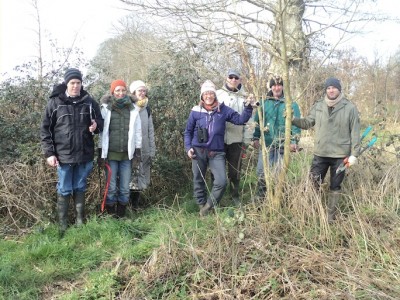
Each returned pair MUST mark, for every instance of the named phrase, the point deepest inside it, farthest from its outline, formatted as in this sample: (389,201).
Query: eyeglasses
(233,77)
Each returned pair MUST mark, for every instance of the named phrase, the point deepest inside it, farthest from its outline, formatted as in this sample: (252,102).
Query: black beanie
(332,81)
(72,73)
(275,80)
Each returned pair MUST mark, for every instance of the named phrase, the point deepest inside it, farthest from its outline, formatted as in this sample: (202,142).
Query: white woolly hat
(135,85)
(207,86)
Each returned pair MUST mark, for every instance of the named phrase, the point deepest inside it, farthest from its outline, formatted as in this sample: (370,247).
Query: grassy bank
(168,252)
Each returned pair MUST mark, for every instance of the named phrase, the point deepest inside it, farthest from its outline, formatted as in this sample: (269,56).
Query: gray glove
(137,156)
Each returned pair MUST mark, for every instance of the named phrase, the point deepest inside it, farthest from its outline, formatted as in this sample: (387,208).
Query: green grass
(42,257)
(169,252)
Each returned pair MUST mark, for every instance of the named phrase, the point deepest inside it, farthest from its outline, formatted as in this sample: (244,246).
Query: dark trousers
(234,159)
(319,169)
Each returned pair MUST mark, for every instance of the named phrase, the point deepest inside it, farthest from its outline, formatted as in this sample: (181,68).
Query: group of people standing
(214,136)
(126,141)
(215,128)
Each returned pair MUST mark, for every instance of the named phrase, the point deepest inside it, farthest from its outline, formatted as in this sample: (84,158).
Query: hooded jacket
(65,125)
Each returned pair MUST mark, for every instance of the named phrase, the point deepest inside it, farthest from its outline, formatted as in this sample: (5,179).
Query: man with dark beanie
(70,120)
(337,136)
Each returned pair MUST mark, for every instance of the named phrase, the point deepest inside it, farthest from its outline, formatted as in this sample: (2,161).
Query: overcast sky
(93,20)
(90,20)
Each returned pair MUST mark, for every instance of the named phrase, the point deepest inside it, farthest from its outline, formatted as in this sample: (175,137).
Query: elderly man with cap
(141,171)
(337,135)
(273,109)
(204,143)
(232,95)
(70,120)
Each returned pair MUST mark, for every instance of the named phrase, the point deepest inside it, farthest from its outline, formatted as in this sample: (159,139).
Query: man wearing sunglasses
(233,96)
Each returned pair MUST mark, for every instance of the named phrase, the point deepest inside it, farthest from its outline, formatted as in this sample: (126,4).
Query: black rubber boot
(62,211)
(207,208)
(333,201)
(121,209)
(79,198)
(111,210)
(261,190)
(234,190)
(134,199)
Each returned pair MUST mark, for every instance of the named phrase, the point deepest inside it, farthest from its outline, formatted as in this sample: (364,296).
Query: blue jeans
(121,173)
(73,177)
(275,158)
(216,162)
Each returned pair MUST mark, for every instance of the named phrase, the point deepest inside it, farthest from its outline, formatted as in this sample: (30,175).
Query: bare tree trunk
(290,44)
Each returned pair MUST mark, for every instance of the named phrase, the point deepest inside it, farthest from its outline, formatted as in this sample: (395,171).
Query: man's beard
(332,98)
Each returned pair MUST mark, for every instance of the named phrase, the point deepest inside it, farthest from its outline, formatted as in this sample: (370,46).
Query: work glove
(351,161)
(137,156)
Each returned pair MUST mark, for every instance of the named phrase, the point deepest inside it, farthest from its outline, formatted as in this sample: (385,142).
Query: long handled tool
(345,163)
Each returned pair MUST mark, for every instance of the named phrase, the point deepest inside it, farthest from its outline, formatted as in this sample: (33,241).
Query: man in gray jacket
(233,96)
(337,136)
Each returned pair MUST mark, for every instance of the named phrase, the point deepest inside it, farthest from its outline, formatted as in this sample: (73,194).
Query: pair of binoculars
(202,135)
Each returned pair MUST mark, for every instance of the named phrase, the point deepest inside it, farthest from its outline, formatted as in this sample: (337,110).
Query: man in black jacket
(70,120)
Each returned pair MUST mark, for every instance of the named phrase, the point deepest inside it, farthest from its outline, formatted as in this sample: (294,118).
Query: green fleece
(274,120)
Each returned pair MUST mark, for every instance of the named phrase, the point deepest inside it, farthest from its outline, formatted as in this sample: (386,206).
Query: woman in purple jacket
(204,143)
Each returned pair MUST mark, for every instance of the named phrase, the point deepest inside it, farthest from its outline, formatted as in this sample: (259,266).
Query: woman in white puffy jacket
(120,142)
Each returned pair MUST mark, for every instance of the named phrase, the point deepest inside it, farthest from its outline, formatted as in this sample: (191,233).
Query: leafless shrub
(26,193)
(292,253)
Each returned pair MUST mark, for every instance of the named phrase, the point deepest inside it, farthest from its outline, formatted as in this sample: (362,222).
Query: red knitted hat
(116,83)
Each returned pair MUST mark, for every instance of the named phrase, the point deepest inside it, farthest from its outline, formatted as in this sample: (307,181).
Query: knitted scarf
(121,103)
(142,103)
(332,103)
(209,107)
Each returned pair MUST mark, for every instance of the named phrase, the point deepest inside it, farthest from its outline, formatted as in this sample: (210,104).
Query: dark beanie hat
(275,80)
(72,73)
(332,81)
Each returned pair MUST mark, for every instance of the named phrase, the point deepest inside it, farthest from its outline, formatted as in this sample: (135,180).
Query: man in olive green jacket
(337,136)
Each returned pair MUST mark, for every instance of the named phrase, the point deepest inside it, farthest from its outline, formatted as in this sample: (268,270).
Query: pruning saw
(345,162)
